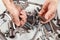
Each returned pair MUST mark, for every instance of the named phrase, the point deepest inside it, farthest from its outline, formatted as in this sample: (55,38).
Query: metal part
(2,36)
(3,14)
(37,38)
(37,30)
(58,37)
(48,27)
(21,4)
(11,30)
(3,22)
(58,20)
(28,25)
(32,20)
(55,28)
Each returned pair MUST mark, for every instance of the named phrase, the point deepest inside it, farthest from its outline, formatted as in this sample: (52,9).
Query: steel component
(11,30)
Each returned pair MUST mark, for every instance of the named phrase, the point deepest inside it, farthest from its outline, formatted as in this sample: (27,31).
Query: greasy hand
(48,10)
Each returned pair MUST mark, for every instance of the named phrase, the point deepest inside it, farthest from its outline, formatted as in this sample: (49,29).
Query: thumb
(16,20)
(44,8)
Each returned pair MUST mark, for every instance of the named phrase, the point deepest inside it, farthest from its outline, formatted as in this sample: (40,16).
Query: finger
(15,19)
(51,10)
(23,13)
(23,20)
(22,23)
(53,15)
(44,8)
(23,17)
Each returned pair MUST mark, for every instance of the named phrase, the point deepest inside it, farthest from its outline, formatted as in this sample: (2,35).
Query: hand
(19,13)
(23,17)
(15,12)
(48,10)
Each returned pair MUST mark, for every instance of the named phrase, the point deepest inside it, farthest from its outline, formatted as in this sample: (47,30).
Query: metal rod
(36,32)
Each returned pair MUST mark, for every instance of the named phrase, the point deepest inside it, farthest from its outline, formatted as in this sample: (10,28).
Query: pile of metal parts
(48,30)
